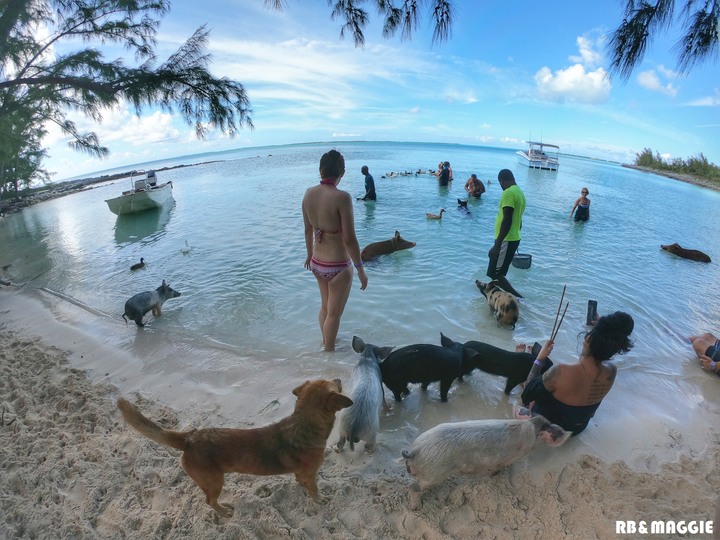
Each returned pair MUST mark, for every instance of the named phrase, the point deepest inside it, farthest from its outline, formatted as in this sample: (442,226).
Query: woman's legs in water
(333,296)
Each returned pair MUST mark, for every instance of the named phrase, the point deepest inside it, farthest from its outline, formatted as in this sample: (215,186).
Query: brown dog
(295,444)
(692,254)
(504,305)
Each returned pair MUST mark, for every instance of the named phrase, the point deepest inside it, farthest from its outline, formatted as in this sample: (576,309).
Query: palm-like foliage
(644,20)
(403,15)
(37,85)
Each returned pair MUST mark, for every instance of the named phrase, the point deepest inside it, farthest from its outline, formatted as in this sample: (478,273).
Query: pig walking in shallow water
(361,421)
(396,243)
(474,447)
(137,306)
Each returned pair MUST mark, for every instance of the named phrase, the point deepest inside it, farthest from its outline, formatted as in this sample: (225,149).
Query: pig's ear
(445,341)
(336,401)
(397,234)
(554,435)
(300,388)
(358,344)
(469,354)
(521,413)
(384,352)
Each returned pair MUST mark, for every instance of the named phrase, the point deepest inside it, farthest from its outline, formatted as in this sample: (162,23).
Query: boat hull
(548,164)
(140,201)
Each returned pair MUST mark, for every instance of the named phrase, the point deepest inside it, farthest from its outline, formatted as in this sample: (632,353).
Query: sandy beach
(71,468)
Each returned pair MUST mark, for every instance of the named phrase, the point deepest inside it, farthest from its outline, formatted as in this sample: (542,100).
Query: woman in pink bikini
(332,247)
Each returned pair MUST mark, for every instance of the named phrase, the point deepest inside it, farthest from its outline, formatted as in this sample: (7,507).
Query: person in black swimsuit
(569,394)
(707,347)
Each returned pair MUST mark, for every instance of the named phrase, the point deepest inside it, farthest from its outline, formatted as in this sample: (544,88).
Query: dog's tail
(148,428)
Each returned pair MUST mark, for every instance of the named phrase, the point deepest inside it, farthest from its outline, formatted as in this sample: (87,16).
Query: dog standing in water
(295,444)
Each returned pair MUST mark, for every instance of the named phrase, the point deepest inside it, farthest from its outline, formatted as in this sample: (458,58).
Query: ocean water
(247,318)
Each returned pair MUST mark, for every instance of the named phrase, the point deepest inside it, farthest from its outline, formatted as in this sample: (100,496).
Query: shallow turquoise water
(245,291)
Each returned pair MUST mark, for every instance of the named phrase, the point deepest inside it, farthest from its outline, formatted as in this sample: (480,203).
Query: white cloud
(589,52)
(573,85)
(650,81)
(668,73)
(708,101)
(582,82)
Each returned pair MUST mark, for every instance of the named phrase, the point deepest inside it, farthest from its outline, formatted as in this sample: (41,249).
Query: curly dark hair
(611,335)
(332,164)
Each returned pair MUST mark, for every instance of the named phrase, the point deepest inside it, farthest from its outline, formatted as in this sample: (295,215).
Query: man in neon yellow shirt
(507,230)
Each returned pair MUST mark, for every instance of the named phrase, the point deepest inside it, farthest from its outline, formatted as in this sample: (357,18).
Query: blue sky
(506,75)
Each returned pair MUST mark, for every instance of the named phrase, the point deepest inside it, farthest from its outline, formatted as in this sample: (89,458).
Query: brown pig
(396,243)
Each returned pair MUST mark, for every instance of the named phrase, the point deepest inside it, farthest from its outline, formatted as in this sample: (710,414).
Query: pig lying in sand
(396,243)
(474,447)
(361,421)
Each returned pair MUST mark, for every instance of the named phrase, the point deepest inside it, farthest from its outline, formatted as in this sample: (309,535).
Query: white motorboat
(145,194)
(540,156)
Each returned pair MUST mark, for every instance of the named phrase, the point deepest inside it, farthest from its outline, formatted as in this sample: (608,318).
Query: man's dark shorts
(500,264)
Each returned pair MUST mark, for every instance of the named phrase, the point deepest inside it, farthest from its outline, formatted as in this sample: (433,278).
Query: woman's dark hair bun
(620,323)
(611,335)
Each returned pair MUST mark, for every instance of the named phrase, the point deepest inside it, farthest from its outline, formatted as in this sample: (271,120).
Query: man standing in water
(508,223)
(370,194)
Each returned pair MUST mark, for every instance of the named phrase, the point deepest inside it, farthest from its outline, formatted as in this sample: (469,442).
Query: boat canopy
(541,144)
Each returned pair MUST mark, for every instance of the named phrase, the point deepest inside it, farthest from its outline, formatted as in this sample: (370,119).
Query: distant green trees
(696,166)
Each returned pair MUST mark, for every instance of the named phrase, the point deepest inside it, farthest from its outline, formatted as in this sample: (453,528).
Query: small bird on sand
(435,216)
(138,266)
(186,249)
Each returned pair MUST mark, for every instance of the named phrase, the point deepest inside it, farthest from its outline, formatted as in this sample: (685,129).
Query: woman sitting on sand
(569,394)
(583,206)
(707,347)
(332,247)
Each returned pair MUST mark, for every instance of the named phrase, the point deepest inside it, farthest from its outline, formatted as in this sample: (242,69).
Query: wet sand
(71,468)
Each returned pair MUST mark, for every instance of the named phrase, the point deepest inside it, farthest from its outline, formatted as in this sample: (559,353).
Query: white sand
(71,468)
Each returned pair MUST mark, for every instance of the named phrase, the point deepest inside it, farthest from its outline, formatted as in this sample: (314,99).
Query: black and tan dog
(692,254)
(295,444)
(504,305)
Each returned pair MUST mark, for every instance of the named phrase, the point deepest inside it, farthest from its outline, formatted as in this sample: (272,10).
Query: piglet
(475,447)
(361,421)
(423,364)
(396,243)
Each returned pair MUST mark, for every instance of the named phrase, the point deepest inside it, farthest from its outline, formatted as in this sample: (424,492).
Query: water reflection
(131,228)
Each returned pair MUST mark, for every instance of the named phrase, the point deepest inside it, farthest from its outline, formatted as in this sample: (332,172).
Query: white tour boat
(145,194)
(540,156)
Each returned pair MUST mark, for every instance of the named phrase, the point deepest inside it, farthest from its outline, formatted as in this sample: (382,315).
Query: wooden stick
(558,311)
(553,336)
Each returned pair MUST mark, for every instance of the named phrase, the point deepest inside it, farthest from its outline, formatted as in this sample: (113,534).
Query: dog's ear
(300,388)
(336,401)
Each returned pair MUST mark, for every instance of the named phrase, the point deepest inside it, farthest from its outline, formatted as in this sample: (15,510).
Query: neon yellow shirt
(514,198)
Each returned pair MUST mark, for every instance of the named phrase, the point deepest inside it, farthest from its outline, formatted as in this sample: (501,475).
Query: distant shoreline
(67,187)
(687,178)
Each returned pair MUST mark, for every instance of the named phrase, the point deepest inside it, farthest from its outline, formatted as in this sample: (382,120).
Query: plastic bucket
(522,261)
